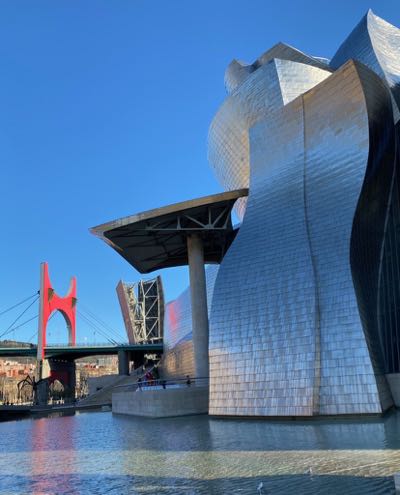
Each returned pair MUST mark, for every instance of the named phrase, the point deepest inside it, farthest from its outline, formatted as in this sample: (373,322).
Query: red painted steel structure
(50,302)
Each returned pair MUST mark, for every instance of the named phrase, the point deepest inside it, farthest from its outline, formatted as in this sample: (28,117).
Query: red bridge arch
(50,302)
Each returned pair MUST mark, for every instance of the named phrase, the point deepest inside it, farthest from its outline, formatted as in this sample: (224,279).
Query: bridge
(55,355)
(57,361)
(72,352)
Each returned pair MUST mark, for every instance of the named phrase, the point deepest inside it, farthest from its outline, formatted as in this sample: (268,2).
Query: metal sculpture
(50,302)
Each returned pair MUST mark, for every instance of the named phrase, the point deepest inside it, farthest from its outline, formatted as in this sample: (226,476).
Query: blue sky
(105,107)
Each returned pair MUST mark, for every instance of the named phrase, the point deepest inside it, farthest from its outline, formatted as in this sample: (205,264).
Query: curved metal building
(315,265)
(304,308)
(274,80)
(178,359)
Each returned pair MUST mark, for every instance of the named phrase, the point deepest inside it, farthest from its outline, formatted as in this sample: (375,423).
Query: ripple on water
(100,453)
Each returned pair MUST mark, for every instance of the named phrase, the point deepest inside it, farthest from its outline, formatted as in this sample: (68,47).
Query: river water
(98,453)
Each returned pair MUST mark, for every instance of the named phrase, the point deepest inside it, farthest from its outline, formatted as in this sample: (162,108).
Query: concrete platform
(164,403)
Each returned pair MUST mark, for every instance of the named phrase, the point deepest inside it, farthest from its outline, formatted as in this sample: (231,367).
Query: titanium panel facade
(338,161)
(375,43)
(389,276)
(262,348)
(269,87)
(237,71)
(178,358)
(295,346)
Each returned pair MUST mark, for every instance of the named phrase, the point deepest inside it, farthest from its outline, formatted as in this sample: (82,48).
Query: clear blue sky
(105,107)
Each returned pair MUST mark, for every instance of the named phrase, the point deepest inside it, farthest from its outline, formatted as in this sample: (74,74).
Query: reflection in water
(100,453)
(42,430)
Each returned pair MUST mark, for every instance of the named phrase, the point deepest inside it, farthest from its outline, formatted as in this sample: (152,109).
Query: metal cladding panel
(178,358)
(389,288)
(337,150)
(262,345)
(268,88)
(285,332)
(283,51)
(237,72)
(370,224)
(375,43)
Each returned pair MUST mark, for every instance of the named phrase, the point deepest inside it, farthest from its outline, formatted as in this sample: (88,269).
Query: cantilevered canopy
(158,238)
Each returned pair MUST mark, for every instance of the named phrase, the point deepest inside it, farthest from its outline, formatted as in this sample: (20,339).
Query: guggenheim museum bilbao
(298,310)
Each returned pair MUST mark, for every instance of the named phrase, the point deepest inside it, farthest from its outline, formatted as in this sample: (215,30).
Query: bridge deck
(76,352)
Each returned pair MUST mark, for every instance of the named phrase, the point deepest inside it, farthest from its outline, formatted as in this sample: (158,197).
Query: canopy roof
(158,238)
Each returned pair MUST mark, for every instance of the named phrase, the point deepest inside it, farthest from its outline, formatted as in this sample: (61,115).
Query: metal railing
(29,345)
(100,344)
(87,344)
(162,384)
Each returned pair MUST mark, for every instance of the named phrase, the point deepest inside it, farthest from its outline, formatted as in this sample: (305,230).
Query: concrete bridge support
(123,362)
(50,370)
(126,357)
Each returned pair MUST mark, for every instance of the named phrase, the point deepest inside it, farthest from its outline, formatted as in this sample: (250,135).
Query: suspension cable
(101,322)
(99,327)
(31,337)
(96,328)
(15,321)
(21,324)
(19,304)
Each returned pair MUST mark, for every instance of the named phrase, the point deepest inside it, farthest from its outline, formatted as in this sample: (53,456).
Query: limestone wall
(162,403)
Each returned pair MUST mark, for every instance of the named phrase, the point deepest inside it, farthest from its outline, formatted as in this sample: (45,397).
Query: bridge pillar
(43,369)
(51,370)
(42,393)
(123,362)
(65,372)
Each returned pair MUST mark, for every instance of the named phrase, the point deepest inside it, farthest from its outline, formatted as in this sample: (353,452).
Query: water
(98,453)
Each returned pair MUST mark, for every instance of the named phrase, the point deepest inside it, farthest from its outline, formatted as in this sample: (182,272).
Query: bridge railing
(101,344)
(81,344)
(88,344)
(78,344)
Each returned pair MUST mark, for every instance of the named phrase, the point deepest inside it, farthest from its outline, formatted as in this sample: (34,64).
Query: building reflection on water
(101,453)
(50,473)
